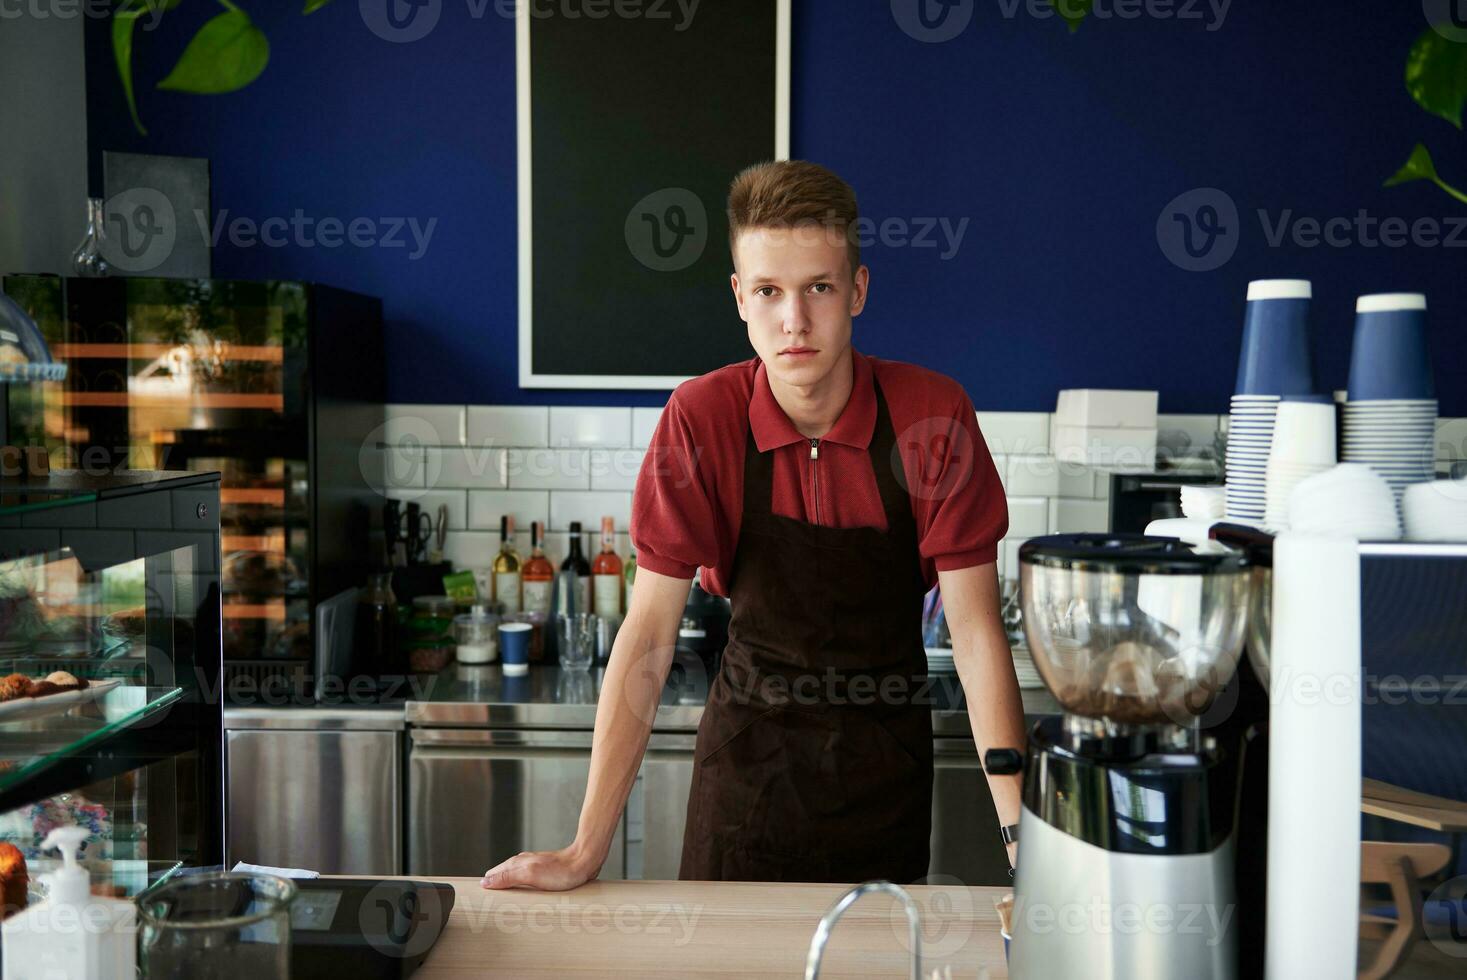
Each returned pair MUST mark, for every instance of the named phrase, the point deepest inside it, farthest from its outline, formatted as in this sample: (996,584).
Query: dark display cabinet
(114,580)
(279,386)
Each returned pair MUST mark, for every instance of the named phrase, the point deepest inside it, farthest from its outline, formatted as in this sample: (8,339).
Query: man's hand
(552,871)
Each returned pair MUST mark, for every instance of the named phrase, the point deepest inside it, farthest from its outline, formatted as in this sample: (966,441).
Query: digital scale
(364,928)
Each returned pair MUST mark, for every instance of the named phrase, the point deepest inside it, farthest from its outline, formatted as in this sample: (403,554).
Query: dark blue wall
(1061,150)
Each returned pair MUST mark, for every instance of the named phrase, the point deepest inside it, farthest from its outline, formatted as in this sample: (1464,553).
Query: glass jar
(430,634)
(217,925)
(476,636)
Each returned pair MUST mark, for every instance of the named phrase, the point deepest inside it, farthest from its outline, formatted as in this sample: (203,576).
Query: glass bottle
(507,568)
(538,575)
(87,260)
(606,581)
(628,574)
(376,633)
(576,563)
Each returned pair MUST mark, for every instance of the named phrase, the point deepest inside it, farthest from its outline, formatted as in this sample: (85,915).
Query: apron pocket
(724,727)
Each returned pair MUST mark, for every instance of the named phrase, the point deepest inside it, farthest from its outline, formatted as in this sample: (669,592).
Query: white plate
(22,708)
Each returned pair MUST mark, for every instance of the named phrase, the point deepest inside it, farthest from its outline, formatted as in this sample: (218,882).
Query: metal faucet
(827,923)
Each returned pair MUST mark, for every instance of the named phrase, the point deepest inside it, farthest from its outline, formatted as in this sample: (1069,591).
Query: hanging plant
(1436,77)
(224,55)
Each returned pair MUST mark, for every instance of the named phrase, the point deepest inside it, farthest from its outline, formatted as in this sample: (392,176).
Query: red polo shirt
(689,498)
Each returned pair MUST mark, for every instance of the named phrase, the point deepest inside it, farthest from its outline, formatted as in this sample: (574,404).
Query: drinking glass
(577,640)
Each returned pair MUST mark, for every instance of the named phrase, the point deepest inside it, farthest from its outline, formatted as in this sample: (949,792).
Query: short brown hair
(788,193)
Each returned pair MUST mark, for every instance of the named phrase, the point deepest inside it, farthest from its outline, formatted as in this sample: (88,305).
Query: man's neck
(813,409)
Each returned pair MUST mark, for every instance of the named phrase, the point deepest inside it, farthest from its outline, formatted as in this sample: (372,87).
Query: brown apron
(813,760)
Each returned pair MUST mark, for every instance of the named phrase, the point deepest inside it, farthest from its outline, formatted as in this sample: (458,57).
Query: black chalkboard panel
(636,126)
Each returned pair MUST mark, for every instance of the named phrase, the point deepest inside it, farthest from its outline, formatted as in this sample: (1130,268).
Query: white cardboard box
(1105,446)
(1107,408)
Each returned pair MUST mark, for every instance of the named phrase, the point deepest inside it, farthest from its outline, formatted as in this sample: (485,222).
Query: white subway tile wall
(559,464)
(509,425)
(644,423)
(604,427)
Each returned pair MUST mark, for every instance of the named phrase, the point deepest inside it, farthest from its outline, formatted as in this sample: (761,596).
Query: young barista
(824,492)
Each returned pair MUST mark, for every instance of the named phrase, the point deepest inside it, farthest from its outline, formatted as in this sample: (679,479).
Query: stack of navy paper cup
(1390,414)
(1274,363)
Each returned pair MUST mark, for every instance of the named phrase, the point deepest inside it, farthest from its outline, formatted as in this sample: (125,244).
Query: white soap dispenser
(73,933)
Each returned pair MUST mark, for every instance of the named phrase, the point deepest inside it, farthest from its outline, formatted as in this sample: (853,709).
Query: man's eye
(823,287)
(765,291)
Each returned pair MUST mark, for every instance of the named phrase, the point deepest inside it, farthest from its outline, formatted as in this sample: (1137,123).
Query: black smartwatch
(1010,833)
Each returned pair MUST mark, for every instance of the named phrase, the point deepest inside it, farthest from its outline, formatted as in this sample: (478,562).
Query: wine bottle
(606,574)
(507,568)
(538,575)
(576,562)
(629,572)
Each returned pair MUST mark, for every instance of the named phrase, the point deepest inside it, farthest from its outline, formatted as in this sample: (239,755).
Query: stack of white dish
(1204,503)
(1436,511)
(1395,438)
(1303,445)
(1106,427)
(1250,437)
(1348,500)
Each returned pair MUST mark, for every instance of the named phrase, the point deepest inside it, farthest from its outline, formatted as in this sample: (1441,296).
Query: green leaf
(1072,12)
(123,23)
(1421,167)
(226,54)
(1436,76)
(314,5)
(122,26)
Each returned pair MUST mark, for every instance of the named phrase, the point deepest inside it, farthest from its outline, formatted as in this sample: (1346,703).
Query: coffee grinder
(1126,838)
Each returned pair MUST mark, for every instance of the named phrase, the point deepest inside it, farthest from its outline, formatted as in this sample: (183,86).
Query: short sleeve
(958,499)
(674,526)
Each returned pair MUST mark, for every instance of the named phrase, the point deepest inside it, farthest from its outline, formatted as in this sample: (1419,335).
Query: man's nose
(797,317)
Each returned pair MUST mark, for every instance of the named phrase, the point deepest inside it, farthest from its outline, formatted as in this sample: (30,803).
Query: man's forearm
(626,707)
(995,708)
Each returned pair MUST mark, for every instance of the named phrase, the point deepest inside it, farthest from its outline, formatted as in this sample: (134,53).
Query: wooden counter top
(688,929)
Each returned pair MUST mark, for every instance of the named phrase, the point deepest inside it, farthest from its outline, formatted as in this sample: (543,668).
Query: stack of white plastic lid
(1436,511)
(1348,500)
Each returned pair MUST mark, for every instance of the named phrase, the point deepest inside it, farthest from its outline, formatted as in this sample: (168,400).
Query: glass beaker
(217,926)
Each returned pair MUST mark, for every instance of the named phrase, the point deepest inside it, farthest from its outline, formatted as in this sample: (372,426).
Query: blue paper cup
(514,647)
(1389,359)
(1275,355)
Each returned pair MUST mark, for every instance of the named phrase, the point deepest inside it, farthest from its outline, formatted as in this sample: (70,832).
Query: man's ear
(733,281)
(858,293)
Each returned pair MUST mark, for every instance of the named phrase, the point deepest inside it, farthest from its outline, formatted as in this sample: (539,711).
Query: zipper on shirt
(815,476)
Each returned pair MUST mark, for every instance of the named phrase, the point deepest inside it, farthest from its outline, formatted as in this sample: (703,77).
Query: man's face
(796,292)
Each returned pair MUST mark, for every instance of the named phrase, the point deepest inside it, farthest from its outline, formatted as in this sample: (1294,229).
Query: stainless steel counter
(547,697)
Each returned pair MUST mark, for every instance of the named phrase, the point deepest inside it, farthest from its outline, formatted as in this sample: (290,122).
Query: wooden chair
(1402,867)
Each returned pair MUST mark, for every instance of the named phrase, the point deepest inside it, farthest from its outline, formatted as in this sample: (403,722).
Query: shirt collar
(772,428)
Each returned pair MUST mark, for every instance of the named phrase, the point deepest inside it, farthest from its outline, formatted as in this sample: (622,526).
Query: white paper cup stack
(1394,438)
(1348,500)
(1303,445)
(1251,421)
(1436,511)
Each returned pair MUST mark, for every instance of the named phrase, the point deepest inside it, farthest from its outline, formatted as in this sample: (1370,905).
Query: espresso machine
(1127,834)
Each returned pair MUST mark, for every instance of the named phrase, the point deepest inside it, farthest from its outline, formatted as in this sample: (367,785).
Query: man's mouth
(799,351)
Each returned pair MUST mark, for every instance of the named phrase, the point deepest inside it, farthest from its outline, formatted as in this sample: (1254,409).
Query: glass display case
(110,666)
(276,385)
